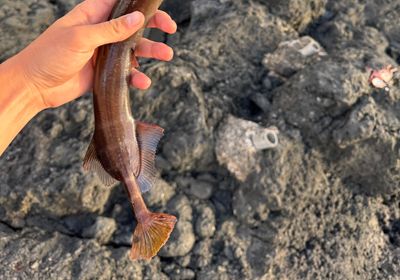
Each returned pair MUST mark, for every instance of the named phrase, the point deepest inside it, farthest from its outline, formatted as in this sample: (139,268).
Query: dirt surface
(325,204)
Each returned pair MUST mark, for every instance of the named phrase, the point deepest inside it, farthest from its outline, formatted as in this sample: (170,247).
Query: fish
(123,149)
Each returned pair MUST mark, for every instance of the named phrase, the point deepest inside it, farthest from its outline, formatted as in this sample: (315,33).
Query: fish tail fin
(151,234)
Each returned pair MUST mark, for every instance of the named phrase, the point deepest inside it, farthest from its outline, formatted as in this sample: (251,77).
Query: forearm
(18,103)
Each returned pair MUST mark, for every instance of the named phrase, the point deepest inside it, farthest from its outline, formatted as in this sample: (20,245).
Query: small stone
(183,182)
(183,274)
(292,56)
(181,241)
(17,222)
(241,159)
(169,268)
(102,230)
(162,164)
(182,238)
(35,265)
(180,206)
(201,189)
(202,253)
(261,101)
(79,113)
(123,236)
(184,261)
(207,177)
(56,130)
(77,223)
(159,194)
(205,223)
(176,272)
(267,83)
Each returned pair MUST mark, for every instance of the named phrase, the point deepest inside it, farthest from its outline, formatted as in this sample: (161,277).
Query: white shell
(378,83)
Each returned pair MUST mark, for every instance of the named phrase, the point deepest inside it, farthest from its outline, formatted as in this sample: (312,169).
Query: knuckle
(76,39)
(115,27)
(75,36)
(58,23)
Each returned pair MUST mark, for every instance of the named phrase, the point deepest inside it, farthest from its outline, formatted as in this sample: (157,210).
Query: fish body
(123,149)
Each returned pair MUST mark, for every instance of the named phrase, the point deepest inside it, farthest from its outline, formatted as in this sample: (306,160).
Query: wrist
(18,102)
(19,85)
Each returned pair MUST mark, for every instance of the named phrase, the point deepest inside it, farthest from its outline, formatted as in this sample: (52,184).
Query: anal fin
(92,163)
(148,136)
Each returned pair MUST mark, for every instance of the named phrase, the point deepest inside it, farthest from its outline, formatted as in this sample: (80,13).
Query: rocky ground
(325,204)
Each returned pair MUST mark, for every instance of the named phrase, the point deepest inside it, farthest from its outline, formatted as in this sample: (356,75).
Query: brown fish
(123,149)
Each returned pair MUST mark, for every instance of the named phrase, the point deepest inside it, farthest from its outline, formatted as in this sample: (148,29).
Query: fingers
(140,80)
(112,31)
(150,49)
(162,21)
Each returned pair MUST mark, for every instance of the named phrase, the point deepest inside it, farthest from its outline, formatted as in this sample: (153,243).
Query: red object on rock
(381,78)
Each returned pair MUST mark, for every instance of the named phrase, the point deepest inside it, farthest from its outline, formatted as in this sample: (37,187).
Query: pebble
(181,241)
(201,189)
(102,230)
(180,206)
(205,223)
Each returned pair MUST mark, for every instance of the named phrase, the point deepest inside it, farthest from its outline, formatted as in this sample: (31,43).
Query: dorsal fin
(92,163)
(148,136)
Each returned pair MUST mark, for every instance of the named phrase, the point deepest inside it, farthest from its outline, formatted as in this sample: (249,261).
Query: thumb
(112,31)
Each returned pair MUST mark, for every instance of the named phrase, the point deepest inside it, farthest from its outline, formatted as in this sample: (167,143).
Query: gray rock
(56,182)
(359,126)
(123,236)
(297,12)
(160,194)
(181,241)
(182,238)
(21,23)
(184,261)
(235,146)
(201,189)
(205,223)
(262,193)
(351,25)
(261,100)
(329,88)
(180,206)
(385,18)
(292,56)
(202,253)
(179,11)
(34,254)
(176,272)
(102,230)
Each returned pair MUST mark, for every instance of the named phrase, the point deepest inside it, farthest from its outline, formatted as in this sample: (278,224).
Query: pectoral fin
(148,136)
(92,163)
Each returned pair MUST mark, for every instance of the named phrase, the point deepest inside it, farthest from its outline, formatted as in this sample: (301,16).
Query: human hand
(59,65)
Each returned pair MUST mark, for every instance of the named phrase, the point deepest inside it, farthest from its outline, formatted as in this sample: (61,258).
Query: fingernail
(169,54)
(133,19)
(175,26)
